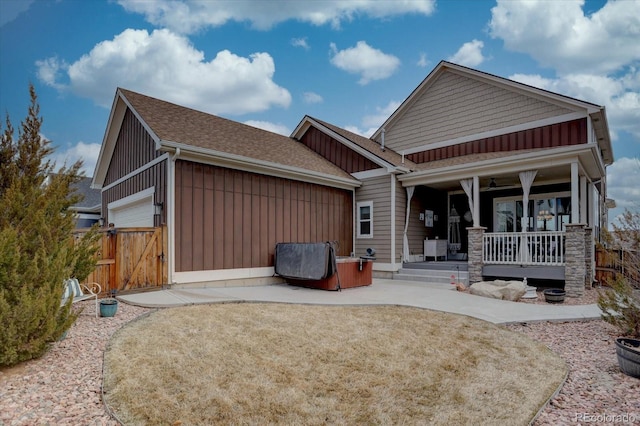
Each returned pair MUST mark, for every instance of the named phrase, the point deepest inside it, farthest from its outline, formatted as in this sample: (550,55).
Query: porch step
(431,276)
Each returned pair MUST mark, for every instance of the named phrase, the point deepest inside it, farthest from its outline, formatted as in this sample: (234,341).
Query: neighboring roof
(92,198)
(596,112)
(373,149)
(208,136)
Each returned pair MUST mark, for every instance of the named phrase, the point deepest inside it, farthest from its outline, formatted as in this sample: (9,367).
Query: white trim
(368,174)
(393,220)
(137,171)
(354,223)
(171,215)
(222,274)
(238,162)
(498,132)
(575,200)
(145,193)
(358,220)
(386,267)
(513,164)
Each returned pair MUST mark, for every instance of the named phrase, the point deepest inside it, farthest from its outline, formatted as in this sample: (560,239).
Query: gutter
(239,162)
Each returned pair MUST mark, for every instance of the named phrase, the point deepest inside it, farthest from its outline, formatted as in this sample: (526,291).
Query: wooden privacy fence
(615,262)
(131,259)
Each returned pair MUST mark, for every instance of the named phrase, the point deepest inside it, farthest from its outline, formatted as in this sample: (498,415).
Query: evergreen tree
(37,249)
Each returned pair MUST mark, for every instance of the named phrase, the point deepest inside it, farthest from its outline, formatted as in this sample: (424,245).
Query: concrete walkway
(438,297)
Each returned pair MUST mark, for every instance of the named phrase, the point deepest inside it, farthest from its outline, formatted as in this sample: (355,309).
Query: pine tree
(37,250)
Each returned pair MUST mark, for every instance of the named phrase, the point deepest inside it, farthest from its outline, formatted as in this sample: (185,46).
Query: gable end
(336,152)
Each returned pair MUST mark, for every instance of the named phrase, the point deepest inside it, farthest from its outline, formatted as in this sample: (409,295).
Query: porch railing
(524,248)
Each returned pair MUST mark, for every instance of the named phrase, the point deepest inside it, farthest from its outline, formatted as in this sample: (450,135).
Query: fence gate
(131,259)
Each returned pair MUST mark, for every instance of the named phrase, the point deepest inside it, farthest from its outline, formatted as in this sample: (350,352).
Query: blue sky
(268,63)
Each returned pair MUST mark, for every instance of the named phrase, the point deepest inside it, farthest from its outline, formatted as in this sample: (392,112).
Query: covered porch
(514,219)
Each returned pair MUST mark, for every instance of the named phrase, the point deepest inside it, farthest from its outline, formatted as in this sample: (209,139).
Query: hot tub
(350,272)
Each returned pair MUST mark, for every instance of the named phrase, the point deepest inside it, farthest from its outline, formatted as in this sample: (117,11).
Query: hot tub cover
(306,261)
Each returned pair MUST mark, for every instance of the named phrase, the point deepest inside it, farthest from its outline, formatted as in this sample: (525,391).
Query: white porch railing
(524,248)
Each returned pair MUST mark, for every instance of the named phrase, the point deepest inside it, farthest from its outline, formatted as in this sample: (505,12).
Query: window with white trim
(365,219)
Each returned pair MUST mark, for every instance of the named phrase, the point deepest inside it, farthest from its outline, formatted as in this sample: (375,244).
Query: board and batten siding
(455,106)
(572,132)
(230,219)
(336,152)
(378,190)
(133,149)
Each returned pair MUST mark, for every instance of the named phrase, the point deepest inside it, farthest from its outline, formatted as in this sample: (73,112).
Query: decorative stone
(499,289)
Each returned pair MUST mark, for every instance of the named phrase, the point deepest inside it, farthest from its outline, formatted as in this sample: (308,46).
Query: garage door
(133,211)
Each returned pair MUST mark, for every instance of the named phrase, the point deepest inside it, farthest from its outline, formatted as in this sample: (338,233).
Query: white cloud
(372,122)
(87,152)
(622,182)
(271,127)
(167,66)
(469,54)
(376,120)
(312,98)
(358,131)
(422,62)
(371,64)
(189,16)
(300,42)
(558,34)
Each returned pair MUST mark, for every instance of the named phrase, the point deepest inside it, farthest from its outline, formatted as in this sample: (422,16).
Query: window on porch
(545,212)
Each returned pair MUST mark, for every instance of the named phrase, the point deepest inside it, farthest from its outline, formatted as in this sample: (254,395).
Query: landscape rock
(499,289)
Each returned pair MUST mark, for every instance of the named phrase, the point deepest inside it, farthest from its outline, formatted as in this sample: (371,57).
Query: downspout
(393,222)
(171,212)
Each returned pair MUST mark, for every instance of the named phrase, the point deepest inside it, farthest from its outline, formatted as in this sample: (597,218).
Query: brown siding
(153,176)
(555,135)
(134,148)
(336,152)
(227,219)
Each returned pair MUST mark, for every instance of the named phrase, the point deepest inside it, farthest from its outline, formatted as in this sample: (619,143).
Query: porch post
(575,201)
(575,264)
(476,202)
(583,199)
(474,262)
(405,239)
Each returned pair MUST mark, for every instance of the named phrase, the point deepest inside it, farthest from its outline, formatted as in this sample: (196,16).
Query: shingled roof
(176,124)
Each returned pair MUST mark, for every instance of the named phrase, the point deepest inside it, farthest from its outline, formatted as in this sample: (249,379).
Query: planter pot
(554,295)
(628,352)
(108,307)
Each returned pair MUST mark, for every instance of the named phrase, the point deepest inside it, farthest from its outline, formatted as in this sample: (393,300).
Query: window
(545,212)
(365,219)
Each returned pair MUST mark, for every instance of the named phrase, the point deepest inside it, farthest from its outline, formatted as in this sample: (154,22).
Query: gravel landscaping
(64,386)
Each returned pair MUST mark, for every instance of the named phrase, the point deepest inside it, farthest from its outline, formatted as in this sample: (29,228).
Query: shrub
(37,251)
(621,305)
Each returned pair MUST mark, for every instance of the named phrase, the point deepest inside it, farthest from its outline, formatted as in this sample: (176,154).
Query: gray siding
(377,190)
(455,106)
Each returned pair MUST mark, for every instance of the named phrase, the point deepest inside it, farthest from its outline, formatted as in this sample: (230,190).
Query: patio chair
(72,288)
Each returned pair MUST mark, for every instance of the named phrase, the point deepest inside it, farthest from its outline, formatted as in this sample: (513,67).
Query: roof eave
(234,161)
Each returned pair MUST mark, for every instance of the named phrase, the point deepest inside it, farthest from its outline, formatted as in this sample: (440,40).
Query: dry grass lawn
(261,364)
